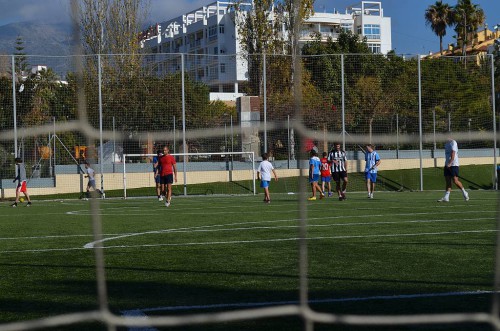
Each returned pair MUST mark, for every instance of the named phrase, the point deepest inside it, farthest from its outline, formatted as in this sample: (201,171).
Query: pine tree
(20,62)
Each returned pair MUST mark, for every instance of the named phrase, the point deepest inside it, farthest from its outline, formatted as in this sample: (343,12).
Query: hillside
(39,38)
(42,42)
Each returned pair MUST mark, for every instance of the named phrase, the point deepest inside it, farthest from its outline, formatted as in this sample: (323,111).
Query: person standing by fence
(21,182)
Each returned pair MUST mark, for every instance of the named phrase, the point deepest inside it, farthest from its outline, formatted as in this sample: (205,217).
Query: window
(212,33)
(216,50)
(372,31)
(222,68)
(221,29)
(374,48)
(346,27)
(359,30)
(326,29)
(213,72)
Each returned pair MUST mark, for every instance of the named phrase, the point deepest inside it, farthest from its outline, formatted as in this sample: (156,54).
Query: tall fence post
(184,145)
(101,149)
(14,103)
(420,122)
(343,99)
(288,139)
(493,102)
(174,133)
(264,65)
(114,145)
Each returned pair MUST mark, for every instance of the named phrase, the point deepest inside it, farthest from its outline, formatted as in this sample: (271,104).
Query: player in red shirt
(168,174)
(326,174)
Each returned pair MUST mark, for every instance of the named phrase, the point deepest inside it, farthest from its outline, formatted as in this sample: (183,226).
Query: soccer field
(399,253)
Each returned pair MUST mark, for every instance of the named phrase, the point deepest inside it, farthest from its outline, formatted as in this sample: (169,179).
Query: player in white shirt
(91,184)
(451,165)
(264,175)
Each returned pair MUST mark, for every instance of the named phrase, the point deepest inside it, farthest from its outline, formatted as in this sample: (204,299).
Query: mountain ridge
(39,38)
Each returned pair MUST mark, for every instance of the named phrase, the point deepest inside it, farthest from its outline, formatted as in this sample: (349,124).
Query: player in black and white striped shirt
(338,161)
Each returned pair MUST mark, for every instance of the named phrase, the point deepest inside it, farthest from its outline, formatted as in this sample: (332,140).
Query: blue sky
(410,35)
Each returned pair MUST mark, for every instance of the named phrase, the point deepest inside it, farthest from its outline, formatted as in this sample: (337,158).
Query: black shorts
(336,176)
(168,179)
(451,171)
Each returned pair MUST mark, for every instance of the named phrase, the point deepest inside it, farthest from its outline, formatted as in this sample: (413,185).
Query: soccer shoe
(466,197)
(160,198)
(14,205)
(29,204)
(321,196)
(311,198)
(371,196)
(443,199)
(330,194)
(340,199)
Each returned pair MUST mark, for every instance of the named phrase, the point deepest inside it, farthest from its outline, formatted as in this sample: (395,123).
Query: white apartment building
(209,41)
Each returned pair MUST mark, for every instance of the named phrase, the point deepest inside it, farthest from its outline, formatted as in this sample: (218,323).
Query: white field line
(141,313)
(236,242)
(92,244)
(233,242)
(311,301)
(201,228)
(224,211)
(138,313)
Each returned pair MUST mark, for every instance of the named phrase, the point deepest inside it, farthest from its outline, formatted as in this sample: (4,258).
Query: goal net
(237,259)
(197,174)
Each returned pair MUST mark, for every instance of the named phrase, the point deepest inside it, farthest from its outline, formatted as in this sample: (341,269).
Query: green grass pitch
(399,253)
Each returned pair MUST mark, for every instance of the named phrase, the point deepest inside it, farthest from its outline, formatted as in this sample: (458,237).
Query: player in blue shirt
(372,162)
(156,171)
(314,173)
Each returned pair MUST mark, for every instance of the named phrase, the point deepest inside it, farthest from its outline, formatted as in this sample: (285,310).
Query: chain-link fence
(199,103)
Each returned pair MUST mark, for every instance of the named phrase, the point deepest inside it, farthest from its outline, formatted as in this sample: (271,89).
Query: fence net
(351,99)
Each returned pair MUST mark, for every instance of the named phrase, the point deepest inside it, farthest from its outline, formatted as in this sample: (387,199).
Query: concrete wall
(70,183)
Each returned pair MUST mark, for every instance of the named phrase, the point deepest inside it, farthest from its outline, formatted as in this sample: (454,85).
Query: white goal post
(195,168)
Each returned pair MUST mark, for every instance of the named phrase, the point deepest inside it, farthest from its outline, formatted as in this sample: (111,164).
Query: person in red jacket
(326,174)
(168,174)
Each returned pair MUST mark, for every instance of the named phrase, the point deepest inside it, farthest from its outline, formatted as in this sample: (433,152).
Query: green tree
(261,32)
(467,17)
(111,27)
(292,14)
(323,60)
(20,61)
(257,32)
(439,16)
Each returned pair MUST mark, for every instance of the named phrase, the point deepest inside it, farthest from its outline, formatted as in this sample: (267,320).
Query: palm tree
(439,16)
(468,17)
